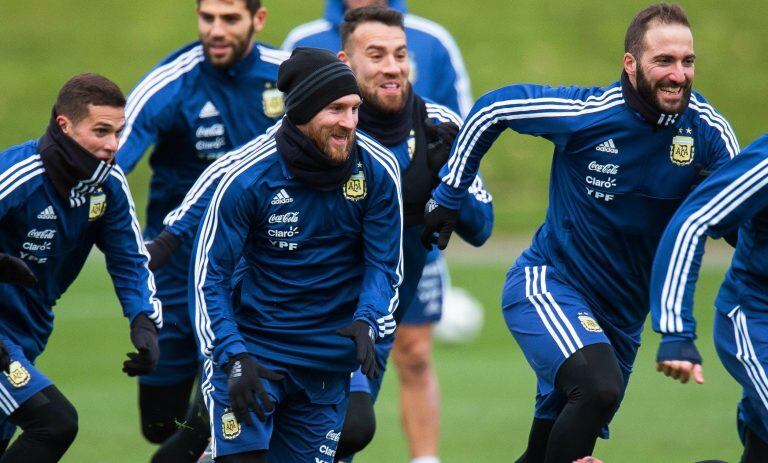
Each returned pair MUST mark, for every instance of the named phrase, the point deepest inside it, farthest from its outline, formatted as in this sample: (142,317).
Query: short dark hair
(665,13)
(252,5)
(372,13)
(87,89)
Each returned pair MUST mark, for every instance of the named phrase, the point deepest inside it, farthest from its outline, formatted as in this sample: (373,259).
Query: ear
(64,123)
(630,64)
(344,57)
(259,19)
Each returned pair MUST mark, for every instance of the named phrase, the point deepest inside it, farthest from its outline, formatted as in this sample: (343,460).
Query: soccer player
(625,157)
(437,67)
(733,198)
(59,196)
(300,248)
(420,134)
(200,102)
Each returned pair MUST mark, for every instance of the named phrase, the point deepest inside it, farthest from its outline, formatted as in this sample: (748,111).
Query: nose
(348,120)
(217,28)
(678,74)
(390,66)
(111,143)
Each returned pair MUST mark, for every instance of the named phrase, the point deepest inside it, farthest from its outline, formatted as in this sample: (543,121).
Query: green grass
(487,387)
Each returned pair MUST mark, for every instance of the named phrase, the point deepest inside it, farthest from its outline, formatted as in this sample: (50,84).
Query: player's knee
(57,423)
(593,379)
(157,432)
(414,358)
(359,425)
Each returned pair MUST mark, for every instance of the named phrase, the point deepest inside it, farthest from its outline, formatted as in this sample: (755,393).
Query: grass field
(487,387)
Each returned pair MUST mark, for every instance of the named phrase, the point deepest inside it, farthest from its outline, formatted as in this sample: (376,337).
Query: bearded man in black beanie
(297,263)
(59,196)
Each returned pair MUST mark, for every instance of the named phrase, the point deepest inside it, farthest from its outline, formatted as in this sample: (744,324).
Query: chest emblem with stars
(272,102)
(355,189)
(682,150)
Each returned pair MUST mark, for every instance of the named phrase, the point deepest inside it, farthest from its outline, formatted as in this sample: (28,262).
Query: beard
(321,137)
(648,91)
(238,46)
(386,105)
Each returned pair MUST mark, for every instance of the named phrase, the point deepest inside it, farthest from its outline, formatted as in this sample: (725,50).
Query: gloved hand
(244,383)
(5,357)
(364,337)
(144,338)
(15,271)
(441,220)
(161,248)
(439,141)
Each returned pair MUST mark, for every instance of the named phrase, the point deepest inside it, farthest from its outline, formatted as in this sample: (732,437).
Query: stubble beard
(384,105)
(647,91)
(239,49)
(322,139)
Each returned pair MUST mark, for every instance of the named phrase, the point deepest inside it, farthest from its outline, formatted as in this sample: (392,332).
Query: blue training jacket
(437,67)
(616,179)
(734,197)
(191,113)
(304,262)
(54,241)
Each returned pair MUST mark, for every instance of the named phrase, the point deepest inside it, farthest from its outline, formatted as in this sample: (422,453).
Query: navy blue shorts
(180,358)
(550,321)
(305,425)
(741,340)
(22,382)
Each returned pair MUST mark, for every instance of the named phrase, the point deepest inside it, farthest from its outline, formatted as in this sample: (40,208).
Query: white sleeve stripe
(34,159)
(388,161)
(157,311)
(745,353)
(303,31)
(7,403)
(530,104)
(488,116)
(205,238)
(156,81)
(688,237)
(713,119)
(462,85)
(274,55)
(217,169)
(27,169)
(443,113)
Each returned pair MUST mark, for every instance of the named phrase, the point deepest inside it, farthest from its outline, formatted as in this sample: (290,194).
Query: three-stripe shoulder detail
(20,173)
(711,117)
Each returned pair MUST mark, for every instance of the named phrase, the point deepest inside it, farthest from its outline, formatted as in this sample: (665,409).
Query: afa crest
(17,375)
(411,144)
(681,151)
(589,323)
(272,102)
(355,189)
(229,426)
(98,206)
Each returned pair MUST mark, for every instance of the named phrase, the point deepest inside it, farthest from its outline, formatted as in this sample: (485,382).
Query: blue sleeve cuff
(678,349)
(449,197)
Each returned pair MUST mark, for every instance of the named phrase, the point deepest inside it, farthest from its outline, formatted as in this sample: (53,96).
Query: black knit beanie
(311,79)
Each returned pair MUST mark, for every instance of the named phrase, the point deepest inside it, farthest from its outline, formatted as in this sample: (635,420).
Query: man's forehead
(377,34)
(347,100)
(672,38)
(112,115)
(222,6)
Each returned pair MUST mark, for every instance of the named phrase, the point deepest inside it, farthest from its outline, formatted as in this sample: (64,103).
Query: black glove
(364,337)
(14,271)
(439,141)
(161,248)
(244,383)
(144,339)
(438,220)
(5,357)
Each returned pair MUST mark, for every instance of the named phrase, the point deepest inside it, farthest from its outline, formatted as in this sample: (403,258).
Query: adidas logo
(47,214)
(607,147)
(209,110)
(282,198)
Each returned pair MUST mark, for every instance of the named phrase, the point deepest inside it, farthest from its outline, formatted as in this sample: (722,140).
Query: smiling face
(663,75)
(226,30)
(98,132)
(378,55)
(333,128)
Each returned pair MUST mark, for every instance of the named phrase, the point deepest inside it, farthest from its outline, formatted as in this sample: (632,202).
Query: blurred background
(487,387)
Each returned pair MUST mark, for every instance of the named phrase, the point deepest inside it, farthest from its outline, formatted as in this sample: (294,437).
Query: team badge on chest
(272,102)
(17,375)
(355,189)
(229,426)
(411,144)
(681,151)
(98,206)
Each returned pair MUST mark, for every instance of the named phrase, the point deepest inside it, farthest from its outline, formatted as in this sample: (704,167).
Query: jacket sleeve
(119,238)
(552,113)
(151,106)
(476,214)
(721,139)
(382,249)
(218,248)
(185,219)
(726,199)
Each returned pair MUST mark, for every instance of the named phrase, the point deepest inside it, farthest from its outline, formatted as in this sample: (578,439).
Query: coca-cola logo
(288,217)
(610,169)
